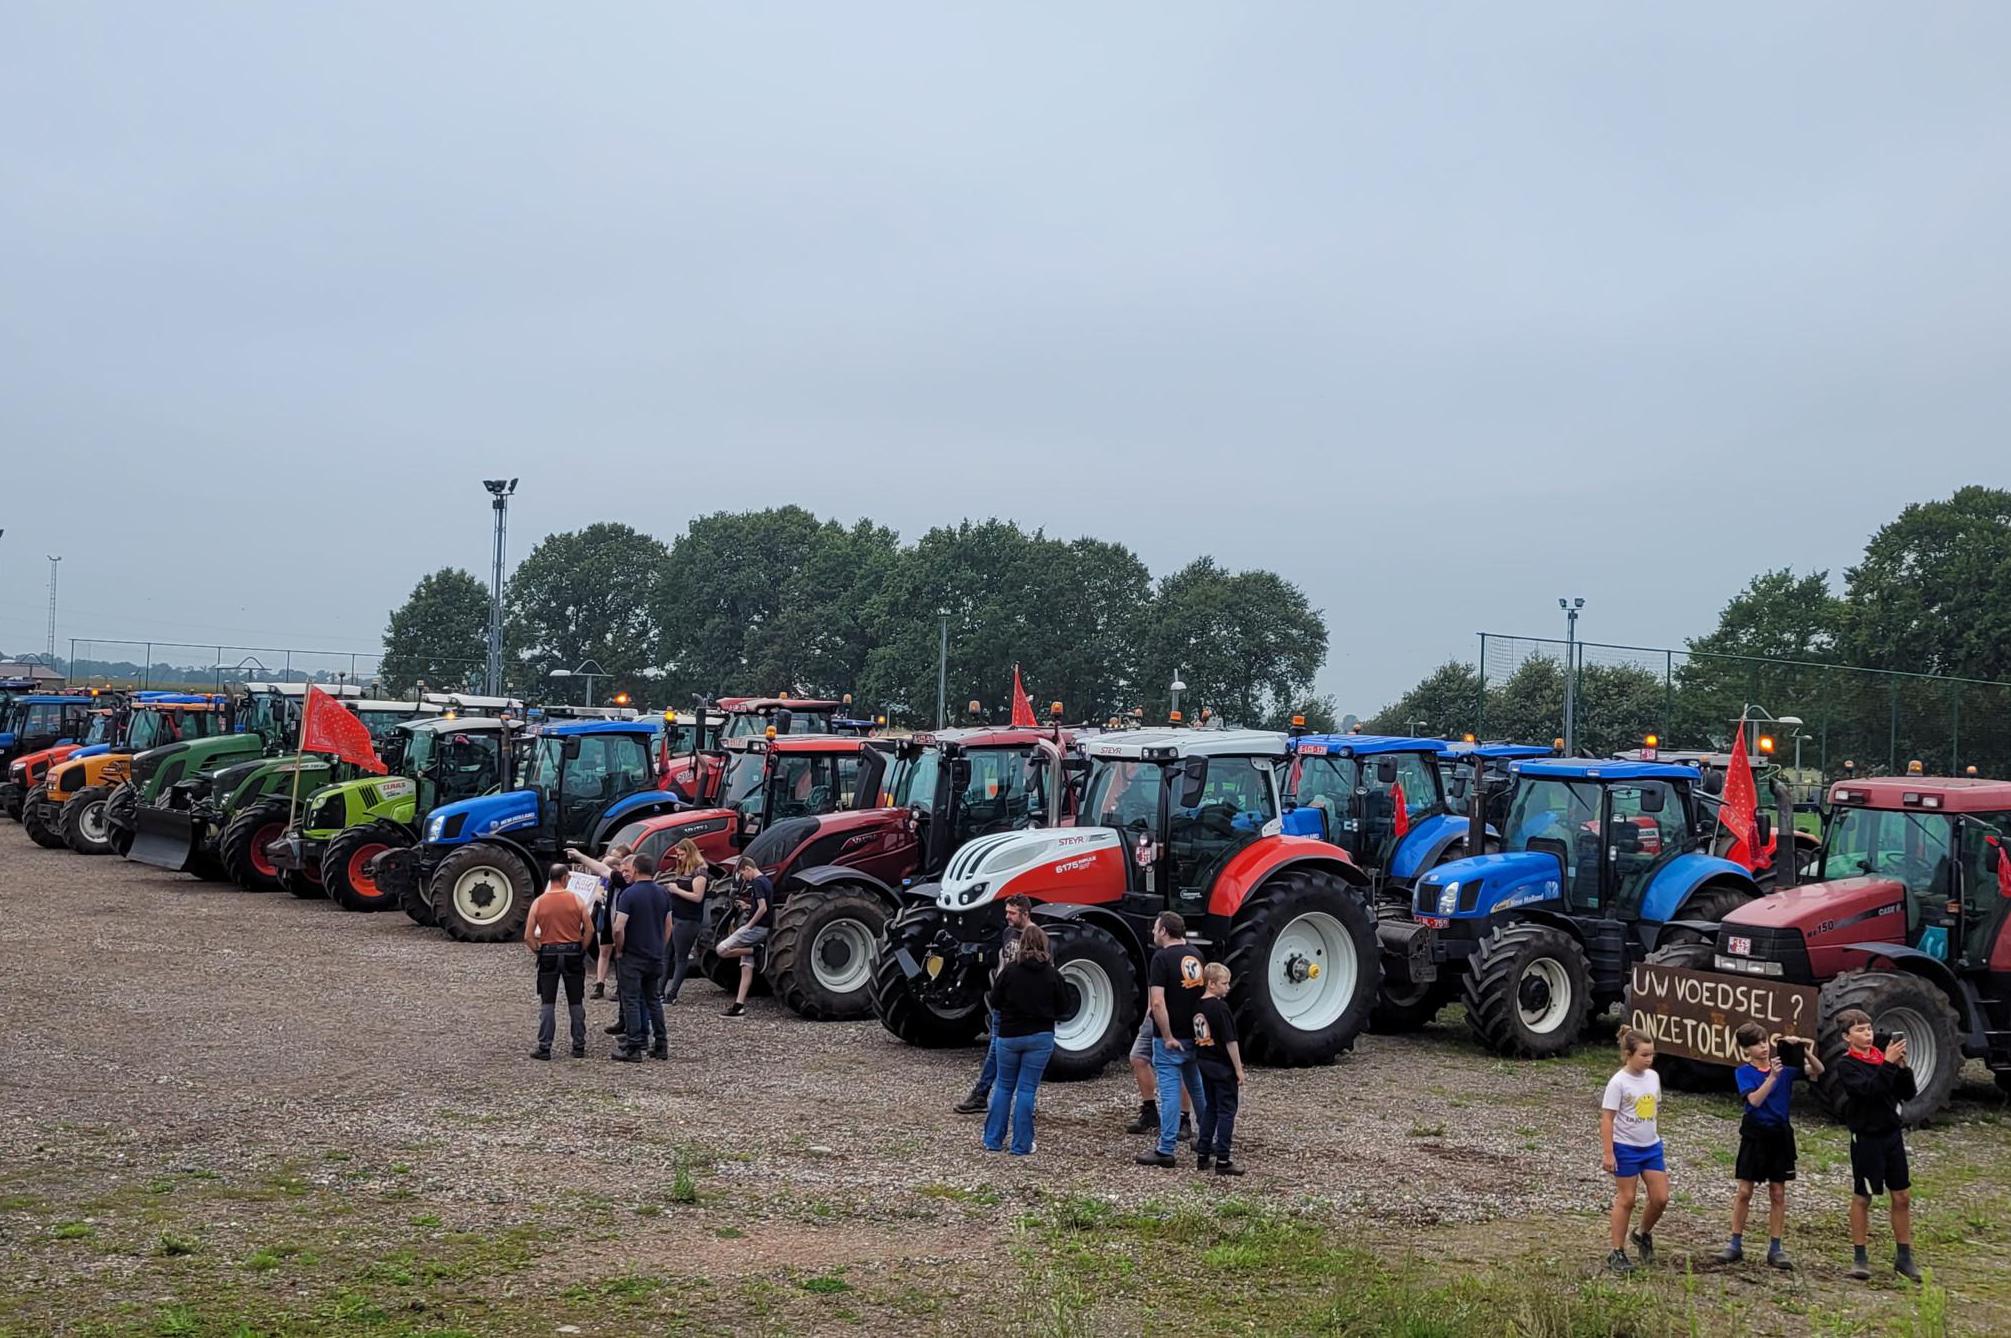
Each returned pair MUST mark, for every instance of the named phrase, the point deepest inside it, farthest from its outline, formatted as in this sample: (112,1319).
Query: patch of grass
(1426,1131)
(683,1187)
(335,1154)
(176,1320)
(173,1246)
(20,1203)
(426,1220)
(160,1186)
(826,1285)
(728,1233)
(73,1231)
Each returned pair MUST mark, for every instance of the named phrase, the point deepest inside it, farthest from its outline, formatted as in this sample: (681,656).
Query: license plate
(1739,947)
(1433,921)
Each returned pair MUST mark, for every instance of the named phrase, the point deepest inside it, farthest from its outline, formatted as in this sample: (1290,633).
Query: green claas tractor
(343,827)
(235,798)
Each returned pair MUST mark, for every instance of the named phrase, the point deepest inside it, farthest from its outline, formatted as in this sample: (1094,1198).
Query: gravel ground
(161,1026)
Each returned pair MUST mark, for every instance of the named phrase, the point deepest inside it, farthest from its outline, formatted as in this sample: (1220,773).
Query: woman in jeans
(687,912)
(1028,996)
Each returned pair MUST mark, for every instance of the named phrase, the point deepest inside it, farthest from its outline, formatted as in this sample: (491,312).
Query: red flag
(1739,811)
(1022,708)
(327,726)
(1402,819)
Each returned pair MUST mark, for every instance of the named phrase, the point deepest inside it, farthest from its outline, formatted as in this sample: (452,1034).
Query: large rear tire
(85,829)
(906,1012)
(1306,968)
(1679,1074)
(820,957)
(1713,901)
(1103,999)
(241,845)
(1897,1001)
(345,865)
(1528,991)
(42,820)
(482,894)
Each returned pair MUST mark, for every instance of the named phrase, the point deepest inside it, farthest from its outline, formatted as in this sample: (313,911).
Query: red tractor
(698,758)
(1186,820)
(1912,924)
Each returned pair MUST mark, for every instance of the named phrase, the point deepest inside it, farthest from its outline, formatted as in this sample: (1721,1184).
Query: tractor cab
(753,717)
(1470,770)
(1380,798)
(959,784)
(39,720)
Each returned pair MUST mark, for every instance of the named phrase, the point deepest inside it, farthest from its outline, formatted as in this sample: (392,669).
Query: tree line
(778,600)
(1876,672)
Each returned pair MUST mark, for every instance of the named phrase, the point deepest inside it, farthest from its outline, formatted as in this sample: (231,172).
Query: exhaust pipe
(1787,857)
(1476,810)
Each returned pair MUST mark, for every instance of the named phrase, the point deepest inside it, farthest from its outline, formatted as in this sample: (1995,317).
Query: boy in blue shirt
(1766,1138)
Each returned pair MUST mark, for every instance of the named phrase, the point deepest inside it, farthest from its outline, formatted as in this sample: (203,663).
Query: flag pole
(299,756)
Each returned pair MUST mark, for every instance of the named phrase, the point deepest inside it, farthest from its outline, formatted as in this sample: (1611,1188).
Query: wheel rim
(1093,1003)
(1313,971)
(1921,1055)
(260,861)
(841,956)
(1543,995)
(360,881)
(91,824)
(482,895)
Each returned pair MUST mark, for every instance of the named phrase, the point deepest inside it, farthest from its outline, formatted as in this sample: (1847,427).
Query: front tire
(85,829)
(1528,991)
(906,1011)
(482,894)
(1103,999)
(241,845)
(119,810)
(1306,968)
(345,865)
(1899,1002)
(821,954)
(42,820)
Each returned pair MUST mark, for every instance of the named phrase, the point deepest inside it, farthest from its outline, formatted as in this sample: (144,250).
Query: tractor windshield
(1124,794)
(1560,818)
(149,729)
(806,785)
(915,786)
(101,731)
(381,723)
(1006,791)
(741,785)
(1911,846)
(262,715)
(753,726)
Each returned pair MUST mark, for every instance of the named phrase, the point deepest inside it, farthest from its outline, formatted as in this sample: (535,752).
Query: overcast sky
(1442,311)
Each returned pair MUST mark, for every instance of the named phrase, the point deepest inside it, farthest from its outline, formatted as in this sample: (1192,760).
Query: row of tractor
(1351,882)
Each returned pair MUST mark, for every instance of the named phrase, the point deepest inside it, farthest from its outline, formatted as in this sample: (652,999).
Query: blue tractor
(1470,769)
(482,860)
(1380,798)
(1601,862)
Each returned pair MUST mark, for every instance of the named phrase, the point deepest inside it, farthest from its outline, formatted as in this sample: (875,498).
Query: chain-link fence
(196,667)
(1880,720)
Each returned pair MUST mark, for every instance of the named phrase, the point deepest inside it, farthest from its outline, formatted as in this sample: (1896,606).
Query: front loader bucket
(164,838)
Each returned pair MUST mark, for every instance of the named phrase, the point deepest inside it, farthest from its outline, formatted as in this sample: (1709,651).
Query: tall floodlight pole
(50,655)
(1570,607)
(943,672)
(500,491)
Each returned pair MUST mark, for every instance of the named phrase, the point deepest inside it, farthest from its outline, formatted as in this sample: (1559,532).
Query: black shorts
(1766,1153)
(1878,1163)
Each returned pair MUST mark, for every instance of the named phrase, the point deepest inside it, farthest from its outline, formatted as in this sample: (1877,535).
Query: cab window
(916,786)
(1645,829)
(1561,818)
(1986,884)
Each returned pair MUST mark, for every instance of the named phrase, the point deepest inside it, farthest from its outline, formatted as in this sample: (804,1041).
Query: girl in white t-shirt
(1633,1145)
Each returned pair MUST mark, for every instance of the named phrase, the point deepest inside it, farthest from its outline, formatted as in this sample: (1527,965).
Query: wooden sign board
(1696,1014)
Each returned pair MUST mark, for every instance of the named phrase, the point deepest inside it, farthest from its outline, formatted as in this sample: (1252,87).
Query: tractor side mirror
(569,749)
(1386,771)
(1652,799)
(1763,824)
(1075,766)
(960,773)
(1714,782)
(1193,782)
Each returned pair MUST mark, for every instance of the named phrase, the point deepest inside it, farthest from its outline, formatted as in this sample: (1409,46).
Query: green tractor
(233,800)
(344,827)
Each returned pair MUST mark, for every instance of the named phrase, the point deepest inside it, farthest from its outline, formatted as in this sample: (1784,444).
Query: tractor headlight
(1448,898)
(434,826)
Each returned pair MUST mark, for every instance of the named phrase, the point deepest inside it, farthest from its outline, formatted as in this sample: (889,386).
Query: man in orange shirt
(557,934)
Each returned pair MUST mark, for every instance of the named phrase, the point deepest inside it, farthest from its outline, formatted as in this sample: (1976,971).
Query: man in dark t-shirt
(641,931)
(1174,985)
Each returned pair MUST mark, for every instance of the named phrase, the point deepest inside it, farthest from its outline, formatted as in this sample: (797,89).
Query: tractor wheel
(42,820)
(725,971)
(820,957)
(909,1014)
(1307,968)
(1712,901)
(304,884)
(85,829)
(1404,1008)
(241,845)
(12,799)
(1897,1002)
(482,894)
(1528,991)
(1679,1074)
(345,865)
(119,810)
(1103,996)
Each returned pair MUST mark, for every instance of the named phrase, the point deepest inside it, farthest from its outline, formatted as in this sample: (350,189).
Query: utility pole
(943,673)
(50,655)
(500,491)
(1570,607)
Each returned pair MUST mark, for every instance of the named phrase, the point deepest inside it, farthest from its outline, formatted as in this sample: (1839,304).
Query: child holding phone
(1766,1137)
(1875,1079)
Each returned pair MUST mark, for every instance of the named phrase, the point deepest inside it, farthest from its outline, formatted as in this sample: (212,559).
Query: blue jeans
(1175,1069)
(1217,1125)
(1021,1061)
(990,1072)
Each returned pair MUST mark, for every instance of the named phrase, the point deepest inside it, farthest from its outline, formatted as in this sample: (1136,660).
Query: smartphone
(1791,1054)
(1880,1039)
(1897,1036)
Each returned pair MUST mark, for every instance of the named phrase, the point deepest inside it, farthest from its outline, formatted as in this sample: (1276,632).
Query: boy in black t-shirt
(1174,987)
(1221,1061)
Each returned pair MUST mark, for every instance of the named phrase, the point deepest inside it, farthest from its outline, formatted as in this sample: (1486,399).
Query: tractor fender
(630,807)
(1932,969)
(1103,918)
(1256,863)
(824,875)
(1708,928)
(1425,844)
(1675,881)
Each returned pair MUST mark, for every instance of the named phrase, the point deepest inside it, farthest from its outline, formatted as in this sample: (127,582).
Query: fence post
(147,671)
(1669,696)
(1955,734)
(1480,704)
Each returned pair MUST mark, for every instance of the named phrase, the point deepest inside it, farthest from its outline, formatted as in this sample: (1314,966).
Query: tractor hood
(1484,884)
(1815,906)
(1071,864)
(484,815)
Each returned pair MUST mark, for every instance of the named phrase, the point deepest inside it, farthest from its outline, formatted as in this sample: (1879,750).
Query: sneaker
(625,1057)
(1618,1262)
(1779,1259)
(600,989)
(1859,1273)
(1646,1245)
(1907,1269)
(1732,1254)
(978,1100)
(1147,1121)
(1186,1134)
(1156,1158)
(737,1010)
(615,1028)
(579,1052)
(541,1054)
(1227,1167)
(660,1052)
(1203,1162)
